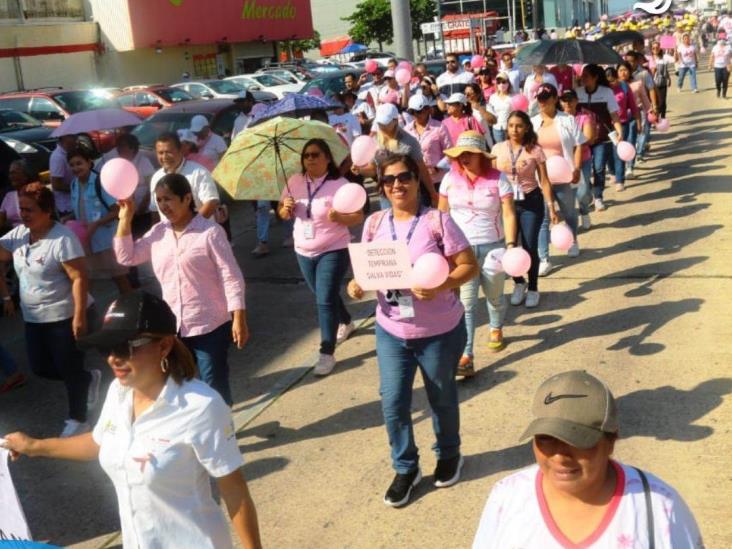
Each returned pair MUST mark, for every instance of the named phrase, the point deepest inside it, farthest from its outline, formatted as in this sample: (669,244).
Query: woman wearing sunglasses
(199,276)
(418,328)
(160,437)
(480,200)
(50,264)
(500,103)
(321,242)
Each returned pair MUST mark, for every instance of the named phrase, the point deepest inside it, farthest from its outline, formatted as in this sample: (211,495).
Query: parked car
(330,83)
(266,82)
(28,137)
(146,101)
(380,56)
(289,76)
(53,105)
(211,89)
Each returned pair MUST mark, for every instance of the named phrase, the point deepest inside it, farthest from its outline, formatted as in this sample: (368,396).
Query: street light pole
(402,22)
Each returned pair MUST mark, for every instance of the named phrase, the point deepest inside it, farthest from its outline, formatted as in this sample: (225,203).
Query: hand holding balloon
(119,178)
(430,272)
(350,198)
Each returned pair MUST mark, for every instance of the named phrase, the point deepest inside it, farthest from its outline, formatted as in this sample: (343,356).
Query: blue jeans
(613,160)
(324,275)
(682,75)
(437,358)
(530,214)
(7,362)
(211,352)
(499,135)
(584,189)
(492,284)
(262,217)
(566,196)
(52,354)
(599,154)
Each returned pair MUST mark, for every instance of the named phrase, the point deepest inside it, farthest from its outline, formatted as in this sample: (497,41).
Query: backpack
(433,216)
(98,190)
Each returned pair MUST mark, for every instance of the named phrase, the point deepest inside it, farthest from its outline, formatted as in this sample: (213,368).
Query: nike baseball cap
(575,407)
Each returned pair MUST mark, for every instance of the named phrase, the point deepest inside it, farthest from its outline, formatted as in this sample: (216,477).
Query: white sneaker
(694,91)
(628,172)
(544,267)
(586,222)
(93,395)
(573,250)
(599,205)
(344,330)
(74,428)
(620,187)
(325,365)
(519,292)
(532,299)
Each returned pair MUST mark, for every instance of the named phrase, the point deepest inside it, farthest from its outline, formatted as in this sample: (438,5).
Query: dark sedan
(28,137)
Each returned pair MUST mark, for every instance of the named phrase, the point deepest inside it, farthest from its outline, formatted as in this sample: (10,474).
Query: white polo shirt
(202,183)
(241,123)
(160,465)
(214,147)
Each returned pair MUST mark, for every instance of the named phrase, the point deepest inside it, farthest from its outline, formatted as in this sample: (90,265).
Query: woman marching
(199,276)
(500,104)
(480,201)
(523,160)
(321,242)
(418,329)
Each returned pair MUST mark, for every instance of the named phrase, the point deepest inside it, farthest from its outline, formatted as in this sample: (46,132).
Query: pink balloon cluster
(562,237)
(516,261)
(625,150)
(350,198)
(429,271)
(559,169)
(119,178)
(520,102)
(363,150)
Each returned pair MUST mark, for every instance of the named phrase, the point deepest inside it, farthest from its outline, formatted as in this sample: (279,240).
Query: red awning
(334,45)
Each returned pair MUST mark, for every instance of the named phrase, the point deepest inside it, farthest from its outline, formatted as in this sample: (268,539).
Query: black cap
(129,315)
(546,91)
(568,94)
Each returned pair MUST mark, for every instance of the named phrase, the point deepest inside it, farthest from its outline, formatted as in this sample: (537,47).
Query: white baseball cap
(389,74)
(386,113)
(187,135)
(198,122)
(457,98)
(418,102)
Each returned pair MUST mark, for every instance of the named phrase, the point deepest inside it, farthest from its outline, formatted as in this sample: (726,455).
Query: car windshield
(284,75)
(163,122)
(329,85)
(269,80)
(174,95)
(244,82)
(224,86)
(78,101)
(14,120)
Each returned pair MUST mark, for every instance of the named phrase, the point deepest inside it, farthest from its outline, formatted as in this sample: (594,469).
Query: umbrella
(295,105)
(94,120)
(262,158)
(557,52)
(354,48)
(613,39)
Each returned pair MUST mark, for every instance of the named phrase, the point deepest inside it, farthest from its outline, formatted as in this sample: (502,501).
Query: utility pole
(402,22)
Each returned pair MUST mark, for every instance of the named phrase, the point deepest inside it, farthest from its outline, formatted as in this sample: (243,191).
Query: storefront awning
(334,45)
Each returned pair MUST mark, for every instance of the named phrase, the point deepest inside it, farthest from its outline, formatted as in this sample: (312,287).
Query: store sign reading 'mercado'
(272,12)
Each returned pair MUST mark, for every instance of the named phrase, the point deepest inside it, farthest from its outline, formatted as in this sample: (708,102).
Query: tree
(371,21)
(292,46)
(423,11)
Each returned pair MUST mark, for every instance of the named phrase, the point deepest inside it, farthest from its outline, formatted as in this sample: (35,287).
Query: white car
(283,74)
(265,82)
(211,89)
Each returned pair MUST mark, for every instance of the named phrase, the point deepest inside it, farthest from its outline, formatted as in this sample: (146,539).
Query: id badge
(308,230)
(406,306)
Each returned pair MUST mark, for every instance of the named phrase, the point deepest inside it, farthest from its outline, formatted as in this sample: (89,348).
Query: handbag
(649,509)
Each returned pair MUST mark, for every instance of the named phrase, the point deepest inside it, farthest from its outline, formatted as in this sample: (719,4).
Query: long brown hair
(181,365)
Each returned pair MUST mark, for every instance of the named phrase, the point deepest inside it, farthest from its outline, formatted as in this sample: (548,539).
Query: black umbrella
(613,39)
(569,51)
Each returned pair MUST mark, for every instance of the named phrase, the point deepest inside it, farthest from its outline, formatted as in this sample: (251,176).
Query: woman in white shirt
(160,436)
(687,60)
(720,62)
(576,495)
(500,104)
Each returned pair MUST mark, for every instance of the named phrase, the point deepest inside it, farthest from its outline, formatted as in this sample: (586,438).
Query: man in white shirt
(128,147)
(453,80)
(170,156)
(245,102)
(61,174)
(209,143)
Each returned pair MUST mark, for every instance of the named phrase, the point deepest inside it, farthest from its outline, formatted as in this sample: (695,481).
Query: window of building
(204,65)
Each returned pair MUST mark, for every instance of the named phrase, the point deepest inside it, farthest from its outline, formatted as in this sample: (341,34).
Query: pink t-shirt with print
(436,316)
(527,164)
(463,124)
(327,235)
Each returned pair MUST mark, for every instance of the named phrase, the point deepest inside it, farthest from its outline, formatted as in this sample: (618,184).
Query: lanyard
(514,161)
(311,196)
(412,227)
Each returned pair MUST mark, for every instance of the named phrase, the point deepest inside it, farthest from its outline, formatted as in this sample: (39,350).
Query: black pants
(721,80)
(530,214)
(662,95)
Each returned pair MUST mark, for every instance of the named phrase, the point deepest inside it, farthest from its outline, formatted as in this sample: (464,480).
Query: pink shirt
(199,275)
(583,118)
(433,142)
(526,164)
(11,209)
(327,235)
(641,95)
(464,123)
(626,102)
(565,78)
(438,315)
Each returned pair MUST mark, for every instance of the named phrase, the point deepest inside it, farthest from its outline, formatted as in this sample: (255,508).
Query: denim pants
(437,358)
(599,154)
(499,135)
(617,166)
(324,274)
(566,196)
(584,188)
(7,362)
(721,80)
(492,284)
(211,352)
(52,354)
(530,214)
(682,75)
(262,217)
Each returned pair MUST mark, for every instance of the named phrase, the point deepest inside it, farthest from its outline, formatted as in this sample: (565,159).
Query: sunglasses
(126,349)
(311,155)
(452,62)
(403,177)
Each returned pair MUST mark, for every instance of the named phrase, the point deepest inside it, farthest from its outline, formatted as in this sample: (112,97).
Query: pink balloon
(477,62)
(390,96)
(652,118)
(119,178)
(315,92)
(519,102)
(577,69)
(558,169)
(663,125)
(363,150)
(516,261)
(405,65)
(562,237)
(79,229)
(371,66)
(350,198)
(403,76)
(626,151)
(429,271)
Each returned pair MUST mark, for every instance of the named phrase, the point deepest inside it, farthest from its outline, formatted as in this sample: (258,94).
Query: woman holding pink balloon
(420,328)
(628,115)
(480,200)
(97,209)
(321,239)
(646,111)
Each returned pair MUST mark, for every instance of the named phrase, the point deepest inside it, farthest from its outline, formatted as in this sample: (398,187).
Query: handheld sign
(381,265)
(12,520)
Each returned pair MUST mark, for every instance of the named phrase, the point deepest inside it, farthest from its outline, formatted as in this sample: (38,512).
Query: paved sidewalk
(644,307)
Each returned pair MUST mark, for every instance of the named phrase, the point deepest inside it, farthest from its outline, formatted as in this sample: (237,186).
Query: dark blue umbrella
(295,105)
(557,52)
(12,544)
(354,48)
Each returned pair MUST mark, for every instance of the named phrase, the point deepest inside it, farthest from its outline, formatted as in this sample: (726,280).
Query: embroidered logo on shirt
(110,427)
(549,398)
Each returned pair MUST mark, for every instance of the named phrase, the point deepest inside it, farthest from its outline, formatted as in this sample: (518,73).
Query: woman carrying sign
(418,328)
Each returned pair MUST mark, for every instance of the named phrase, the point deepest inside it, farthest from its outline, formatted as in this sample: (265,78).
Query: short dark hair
(41,195)
(128,140)
(178,185)
(322,144)
(169,137)
(79,151)
(351,74)
(392,159)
